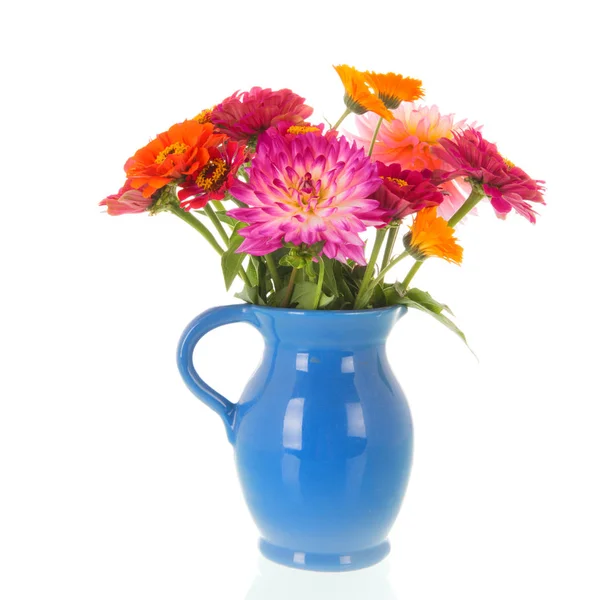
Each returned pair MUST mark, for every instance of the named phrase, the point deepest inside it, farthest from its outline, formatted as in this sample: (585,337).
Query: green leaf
(378,299)
(339,271)
(251,272)
(393,297)
(425,299)
(304,296)
(231,261)
(329,281)
(250,295)
(225,218)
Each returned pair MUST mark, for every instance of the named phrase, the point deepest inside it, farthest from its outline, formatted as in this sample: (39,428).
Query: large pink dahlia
(507,186)
(244,115)
(305,190)
(409,139)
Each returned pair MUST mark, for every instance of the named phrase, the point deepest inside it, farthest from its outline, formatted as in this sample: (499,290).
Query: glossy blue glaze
(322,433)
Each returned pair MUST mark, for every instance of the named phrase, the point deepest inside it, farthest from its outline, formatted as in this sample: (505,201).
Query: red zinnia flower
(215,178)
(507,186)
(404,192)
(242,116)
(171,156)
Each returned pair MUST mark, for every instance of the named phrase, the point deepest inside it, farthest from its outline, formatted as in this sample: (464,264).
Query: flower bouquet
(322,433)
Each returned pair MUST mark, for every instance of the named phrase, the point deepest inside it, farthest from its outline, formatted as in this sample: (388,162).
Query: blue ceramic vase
(322,434)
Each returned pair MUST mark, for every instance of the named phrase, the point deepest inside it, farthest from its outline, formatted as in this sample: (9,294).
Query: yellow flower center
(176,148)
(509,163)
(203,116)
(212,175)
(397,181)
(300,129)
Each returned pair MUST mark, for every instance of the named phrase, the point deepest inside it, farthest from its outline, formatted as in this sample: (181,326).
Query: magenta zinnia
(245,115)
(404,192)
(507,186)
(305,190)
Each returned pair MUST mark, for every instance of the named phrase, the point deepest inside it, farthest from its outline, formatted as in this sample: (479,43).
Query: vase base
(312,561)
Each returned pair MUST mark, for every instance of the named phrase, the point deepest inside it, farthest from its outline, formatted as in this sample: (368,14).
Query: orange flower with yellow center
(431,235)
(358,98)
(392,88)
(178,153)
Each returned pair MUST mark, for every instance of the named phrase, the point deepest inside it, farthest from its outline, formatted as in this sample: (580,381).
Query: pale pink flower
(408,139)
(306,189)
(126,200)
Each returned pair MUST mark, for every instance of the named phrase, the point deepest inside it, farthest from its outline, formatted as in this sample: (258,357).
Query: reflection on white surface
(302,361)
(275,582)
(356,420)
(348,364)
(292,424)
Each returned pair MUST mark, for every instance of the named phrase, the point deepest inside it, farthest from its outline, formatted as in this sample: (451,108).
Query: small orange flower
(392,88)
(431,235)
(358,98)
(173,155)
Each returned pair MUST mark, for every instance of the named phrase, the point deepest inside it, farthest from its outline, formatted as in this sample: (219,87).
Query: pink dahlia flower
(242,116)
(126,200)
(404,192)
(305,190)
(215,178)
(409,139)
(507,186)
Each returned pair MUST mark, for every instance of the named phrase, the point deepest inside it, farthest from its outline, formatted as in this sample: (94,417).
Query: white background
(115,482)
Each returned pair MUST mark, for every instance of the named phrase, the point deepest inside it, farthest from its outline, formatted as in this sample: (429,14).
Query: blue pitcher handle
(199,327)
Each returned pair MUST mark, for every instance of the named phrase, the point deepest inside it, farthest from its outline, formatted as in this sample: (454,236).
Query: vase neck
(326,329)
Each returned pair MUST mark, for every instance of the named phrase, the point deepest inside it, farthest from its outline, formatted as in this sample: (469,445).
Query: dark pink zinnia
(404,192)
(507,186)
(244,115)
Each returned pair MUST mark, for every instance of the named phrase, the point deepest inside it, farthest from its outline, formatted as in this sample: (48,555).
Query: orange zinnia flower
(431,235)
(358,98)
(392,88)
(171,156)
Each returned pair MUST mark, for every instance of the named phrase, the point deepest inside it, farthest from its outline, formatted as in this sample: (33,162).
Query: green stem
(273,270)
(375,135)
(389,246)
(244,277)
(319,284)
(475,196)
(390,266)
(210,213)
(339,121)
(411,274)
(290,288)
(359,302)
(198,226)
(218,205)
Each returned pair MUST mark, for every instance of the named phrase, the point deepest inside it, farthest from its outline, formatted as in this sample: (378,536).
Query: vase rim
(329,313)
